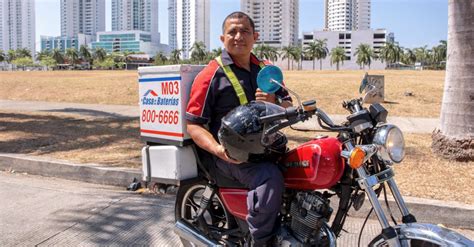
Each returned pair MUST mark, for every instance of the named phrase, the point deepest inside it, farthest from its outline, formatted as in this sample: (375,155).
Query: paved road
(49,211)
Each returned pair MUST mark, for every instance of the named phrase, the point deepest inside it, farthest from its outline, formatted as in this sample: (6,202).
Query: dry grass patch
(115,142)
(329,88)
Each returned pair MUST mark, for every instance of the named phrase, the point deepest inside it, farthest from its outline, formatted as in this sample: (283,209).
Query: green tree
(390,53)
(267,52)
(176,56)
(198,52)
(364,55)
(48,62)
(43,54)
(57,55)
(106,63)
(100,54)
(422,55)
(296,55)
(317,50)
(72,56)
(160,58)
(3,56)
(409,56)
(23,62)
(11,55)
(23,52)
(338,55)
(287,53)
(85,54)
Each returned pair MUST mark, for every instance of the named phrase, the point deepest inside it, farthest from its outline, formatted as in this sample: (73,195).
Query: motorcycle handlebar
(289,114)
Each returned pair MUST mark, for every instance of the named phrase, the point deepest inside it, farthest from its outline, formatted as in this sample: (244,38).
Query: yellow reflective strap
(234,81)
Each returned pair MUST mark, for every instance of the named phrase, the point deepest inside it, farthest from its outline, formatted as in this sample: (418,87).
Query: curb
(451,214)
(92,173)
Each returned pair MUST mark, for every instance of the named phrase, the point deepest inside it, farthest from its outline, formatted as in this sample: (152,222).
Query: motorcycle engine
(309,211)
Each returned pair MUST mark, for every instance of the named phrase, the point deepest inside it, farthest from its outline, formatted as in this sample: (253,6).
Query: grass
(329,88)
(116,142)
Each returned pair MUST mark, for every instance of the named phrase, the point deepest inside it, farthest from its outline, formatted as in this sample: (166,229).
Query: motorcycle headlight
(389,139)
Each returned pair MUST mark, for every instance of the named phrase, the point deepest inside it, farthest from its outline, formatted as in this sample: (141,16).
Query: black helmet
(241,133)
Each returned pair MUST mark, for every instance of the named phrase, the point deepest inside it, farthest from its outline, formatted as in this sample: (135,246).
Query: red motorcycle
(211,209)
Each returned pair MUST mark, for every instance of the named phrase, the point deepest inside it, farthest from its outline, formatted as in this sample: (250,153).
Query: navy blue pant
(264,199)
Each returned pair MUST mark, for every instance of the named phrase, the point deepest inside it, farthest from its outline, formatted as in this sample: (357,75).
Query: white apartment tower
(17,25)
(136,15)
(189,22)
(275,20)
(82,16)
(346,15)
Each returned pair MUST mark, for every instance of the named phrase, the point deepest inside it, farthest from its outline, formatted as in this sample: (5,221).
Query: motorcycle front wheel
(215,218)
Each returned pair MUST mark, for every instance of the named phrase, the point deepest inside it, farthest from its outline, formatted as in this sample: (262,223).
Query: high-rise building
(82,16)
(139,15)
(275,20)
(17,25)
(189,23)
(344,15)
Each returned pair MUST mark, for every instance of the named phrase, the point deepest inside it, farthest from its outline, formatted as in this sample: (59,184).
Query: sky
(415,23)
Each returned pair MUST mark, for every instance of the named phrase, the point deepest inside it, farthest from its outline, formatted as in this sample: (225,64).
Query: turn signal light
(357,158)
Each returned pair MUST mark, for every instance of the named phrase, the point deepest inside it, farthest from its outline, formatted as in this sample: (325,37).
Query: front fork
(367,182)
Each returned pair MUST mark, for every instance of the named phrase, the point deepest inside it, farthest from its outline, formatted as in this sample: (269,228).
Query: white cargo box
(164,94)
(168,164)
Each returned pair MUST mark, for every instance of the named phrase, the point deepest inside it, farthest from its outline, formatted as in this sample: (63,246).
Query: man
(213,95)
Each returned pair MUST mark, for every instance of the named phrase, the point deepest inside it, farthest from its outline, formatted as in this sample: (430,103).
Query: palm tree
(11,55)
(422,55)
(454,138)
(176,55)
(338,55)
(287,52)
(85,54)
(23,52)
(3,56)
(198,52)
(364,55)
(100,54)
(409,56)
(57,55)
(72,55)
(43,54)
(160,58)
(259,50)
(390,52)
(317,50)
(297,55)
(216,52)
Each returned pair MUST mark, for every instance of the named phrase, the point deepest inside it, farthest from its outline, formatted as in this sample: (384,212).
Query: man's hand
(222,154)
(262,96)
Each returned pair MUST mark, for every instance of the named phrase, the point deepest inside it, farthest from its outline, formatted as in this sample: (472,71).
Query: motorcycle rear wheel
(187,205)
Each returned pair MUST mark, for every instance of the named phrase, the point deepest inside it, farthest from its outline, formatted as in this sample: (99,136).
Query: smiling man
(228,81)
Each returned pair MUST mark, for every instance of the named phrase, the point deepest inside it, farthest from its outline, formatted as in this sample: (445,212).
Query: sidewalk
(451,214)
(406,124)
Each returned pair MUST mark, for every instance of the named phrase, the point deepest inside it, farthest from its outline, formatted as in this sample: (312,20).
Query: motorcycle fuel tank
(316,164)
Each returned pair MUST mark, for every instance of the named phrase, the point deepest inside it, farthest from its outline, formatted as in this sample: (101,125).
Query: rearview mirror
(363,83)
(269,79)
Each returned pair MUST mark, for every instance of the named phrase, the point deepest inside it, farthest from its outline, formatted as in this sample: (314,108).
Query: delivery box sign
(160,106)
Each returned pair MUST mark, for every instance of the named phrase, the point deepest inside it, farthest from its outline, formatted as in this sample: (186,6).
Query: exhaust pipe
(190,233)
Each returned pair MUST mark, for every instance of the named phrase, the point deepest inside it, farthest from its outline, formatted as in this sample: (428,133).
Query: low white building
(128,41)
(349,40)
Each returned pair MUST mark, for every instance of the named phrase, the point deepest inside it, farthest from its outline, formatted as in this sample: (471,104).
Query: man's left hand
(262,96)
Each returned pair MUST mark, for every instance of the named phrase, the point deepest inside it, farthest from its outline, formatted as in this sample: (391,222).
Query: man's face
(238,37)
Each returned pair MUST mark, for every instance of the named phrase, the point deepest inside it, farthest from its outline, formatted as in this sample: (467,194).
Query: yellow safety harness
(234,81)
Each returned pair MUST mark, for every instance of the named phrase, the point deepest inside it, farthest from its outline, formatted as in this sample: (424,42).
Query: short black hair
(238,15)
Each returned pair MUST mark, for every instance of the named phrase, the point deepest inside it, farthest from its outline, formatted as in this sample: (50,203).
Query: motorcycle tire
(188,200)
